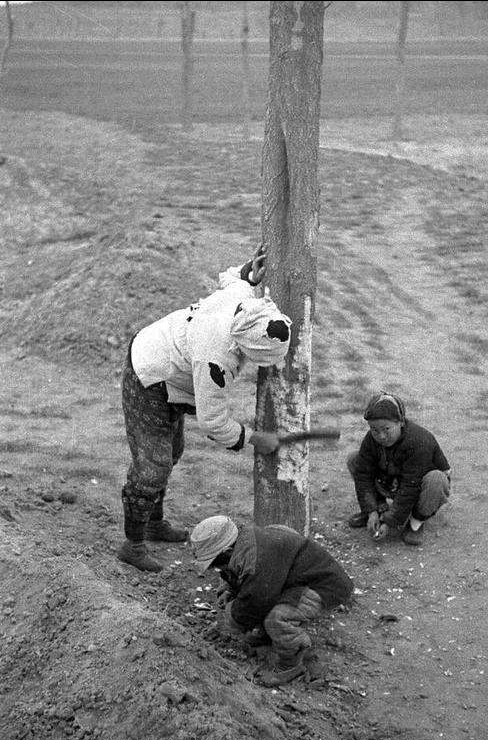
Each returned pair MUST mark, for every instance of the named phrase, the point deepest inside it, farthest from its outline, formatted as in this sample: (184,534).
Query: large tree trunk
(187,33)
(398,132)
(8,41)
(290,218)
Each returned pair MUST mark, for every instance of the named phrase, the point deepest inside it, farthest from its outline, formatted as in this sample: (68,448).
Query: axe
(327,434)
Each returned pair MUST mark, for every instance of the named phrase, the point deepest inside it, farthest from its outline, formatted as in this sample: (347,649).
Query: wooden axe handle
(330,434)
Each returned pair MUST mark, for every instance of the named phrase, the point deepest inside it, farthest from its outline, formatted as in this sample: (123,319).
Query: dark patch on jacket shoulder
(217,374)
(278,330)
(194,307)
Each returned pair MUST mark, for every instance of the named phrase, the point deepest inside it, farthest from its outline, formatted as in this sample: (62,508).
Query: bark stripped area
(290,217)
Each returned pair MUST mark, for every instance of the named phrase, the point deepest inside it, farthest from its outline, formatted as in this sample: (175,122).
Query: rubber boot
(286,669)
(136,554)
(162,531)
(159,529)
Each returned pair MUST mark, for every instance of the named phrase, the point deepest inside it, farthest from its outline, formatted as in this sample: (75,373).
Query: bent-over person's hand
(265,442)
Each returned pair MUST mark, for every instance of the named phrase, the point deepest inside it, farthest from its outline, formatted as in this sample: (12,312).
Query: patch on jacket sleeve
(278,330)
(217,374)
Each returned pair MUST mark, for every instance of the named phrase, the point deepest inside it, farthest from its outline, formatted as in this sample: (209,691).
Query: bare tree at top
(187,33)
(290,220)
(398,132)
(8,41)
(246,81)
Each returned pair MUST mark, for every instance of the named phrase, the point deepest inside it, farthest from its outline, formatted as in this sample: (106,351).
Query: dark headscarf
(385,406)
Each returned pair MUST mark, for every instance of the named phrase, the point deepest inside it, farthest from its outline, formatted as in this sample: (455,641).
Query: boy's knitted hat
(210,537)
(385,406)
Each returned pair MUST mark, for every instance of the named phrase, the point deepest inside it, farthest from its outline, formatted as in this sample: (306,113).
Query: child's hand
(381,532)
(373,523)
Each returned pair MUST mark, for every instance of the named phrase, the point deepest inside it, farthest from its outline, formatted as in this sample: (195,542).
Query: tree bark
(8,42)
(398,131)
(187,33)
(290,219)
(246,96)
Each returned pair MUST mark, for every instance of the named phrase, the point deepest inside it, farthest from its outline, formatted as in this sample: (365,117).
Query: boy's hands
(265,442)
(230,625)
(223,595)
(381,532)
(373,523)
(377,529)
(258,266)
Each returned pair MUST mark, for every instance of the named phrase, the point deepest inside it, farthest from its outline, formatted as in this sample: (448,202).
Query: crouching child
(274,581)
(400,473)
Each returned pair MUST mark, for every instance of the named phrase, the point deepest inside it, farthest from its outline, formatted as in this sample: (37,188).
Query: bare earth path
(433,684)
(402,304)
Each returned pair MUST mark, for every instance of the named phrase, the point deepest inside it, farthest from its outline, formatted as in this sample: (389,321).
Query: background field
(112,216)
(129,81)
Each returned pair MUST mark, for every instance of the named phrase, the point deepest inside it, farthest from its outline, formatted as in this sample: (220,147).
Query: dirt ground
(104,230)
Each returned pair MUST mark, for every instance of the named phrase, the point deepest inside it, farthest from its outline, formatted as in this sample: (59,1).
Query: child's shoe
(413,537)
(358,520)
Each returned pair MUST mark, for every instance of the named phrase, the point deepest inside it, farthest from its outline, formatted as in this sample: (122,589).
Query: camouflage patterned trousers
(155,433)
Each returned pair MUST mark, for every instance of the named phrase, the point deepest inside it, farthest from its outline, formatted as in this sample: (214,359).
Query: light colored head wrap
(261,331)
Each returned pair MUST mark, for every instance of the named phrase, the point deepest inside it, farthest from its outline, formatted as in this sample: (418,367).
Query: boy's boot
(160,530)
(286,669)
(136,554)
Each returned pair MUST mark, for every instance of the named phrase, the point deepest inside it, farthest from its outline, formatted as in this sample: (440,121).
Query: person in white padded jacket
(184,363)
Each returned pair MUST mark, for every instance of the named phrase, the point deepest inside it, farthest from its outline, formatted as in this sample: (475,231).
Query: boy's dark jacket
(416,453)
(273,565)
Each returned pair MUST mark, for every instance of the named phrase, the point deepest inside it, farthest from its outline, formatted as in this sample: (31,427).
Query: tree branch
(10,33)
